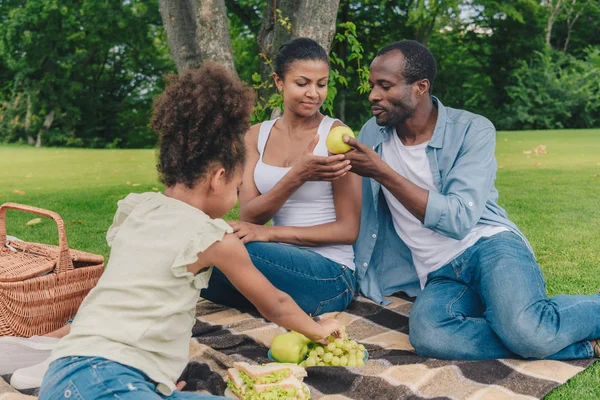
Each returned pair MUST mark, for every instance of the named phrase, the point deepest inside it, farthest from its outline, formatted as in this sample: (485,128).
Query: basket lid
(24,260)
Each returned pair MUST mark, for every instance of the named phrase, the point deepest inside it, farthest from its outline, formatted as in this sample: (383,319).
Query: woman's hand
(248,232)
(319,168)
(330,327)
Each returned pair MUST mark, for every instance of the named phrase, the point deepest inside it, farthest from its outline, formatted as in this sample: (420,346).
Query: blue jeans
(91,378)
(317,284)
(490,302)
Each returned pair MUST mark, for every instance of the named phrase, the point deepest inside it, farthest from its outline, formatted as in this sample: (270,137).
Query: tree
(197,30)
(287,19)
(83,72)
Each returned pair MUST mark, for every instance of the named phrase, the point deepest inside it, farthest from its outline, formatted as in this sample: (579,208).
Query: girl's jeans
(95,378)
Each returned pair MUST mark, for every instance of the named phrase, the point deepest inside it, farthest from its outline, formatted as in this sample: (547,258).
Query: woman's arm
(231,257)
(347,197)
(258,208)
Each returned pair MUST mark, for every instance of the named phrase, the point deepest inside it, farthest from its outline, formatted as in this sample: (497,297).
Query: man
(431,222)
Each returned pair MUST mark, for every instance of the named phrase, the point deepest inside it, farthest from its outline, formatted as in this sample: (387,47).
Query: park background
(77,81)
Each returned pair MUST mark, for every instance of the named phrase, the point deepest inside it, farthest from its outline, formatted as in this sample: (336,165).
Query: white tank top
(311,204)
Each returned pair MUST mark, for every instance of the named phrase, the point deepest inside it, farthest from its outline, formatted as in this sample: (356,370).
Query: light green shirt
(142,310)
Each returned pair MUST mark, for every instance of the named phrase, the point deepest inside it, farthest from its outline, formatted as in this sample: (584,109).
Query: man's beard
(396,114)
(392,118)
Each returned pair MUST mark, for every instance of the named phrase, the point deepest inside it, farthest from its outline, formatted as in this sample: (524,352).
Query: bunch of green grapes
(338,352)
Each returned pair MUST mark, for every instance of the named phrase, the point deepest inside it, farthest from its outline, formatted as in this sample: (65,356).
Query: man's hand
(248,232)
(363,159)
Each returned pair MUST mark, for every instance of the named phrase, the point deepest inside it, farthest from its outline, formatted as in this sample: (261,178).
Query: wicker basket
(42,286)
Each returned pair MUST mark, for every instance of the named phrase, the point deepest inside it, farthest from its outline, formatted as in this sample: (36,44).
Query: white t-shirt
(142,310)
(430,250)
(312,203)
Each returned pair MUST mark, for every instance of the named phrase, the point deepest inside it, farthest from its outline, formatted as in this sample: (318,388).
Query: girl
(312,199)
(130,338)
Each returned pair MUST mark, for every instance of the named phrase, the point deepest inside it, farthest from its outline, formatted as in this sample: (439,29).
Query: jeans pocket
(337,303)
(71,392)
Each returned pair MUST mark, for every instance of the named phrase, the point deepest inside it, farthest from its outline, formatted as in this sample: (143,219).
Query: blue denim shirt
(463,164)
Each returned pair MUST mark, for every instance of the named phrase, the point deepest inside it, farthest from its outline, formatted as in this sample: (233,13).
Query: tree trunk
(45,127)
(212,32)
(178,17)
(287,19)
(554,11)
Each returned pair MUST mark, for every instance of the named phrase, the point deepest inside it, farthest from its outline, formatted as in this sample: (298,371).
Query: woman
(313,201)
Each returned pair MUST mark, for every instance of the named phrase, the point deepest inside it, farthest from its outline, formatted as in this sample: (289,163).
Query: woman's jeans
(490,302)
(317,284)
(91,378)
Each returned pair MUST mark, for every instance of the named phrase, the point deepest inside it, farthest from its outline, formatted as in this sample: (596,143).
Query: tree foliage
(84,73)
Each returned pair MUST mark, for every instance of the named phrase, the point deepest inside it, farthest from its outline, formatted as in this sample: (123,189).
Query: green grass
(552,197)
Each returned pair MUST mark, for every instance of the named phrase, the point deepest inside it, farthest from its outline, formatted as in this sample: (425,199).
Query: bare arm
(259,208)
(231,257)
(344,230)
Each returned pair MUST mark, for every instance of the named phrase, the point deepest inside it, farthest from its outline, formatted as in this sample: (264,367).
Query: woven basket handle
(65,262)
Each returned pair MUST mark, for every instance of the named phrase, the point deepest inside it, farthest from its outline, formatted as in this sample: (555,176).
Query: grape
(342,352)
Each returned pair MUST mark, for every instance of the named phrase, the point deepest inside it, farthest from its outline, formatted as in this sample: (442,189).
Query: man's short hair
(420,63)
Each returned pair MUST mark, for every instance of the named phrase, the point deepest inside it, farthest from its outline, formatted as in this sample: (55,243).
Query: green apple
(335,139)
(290,347)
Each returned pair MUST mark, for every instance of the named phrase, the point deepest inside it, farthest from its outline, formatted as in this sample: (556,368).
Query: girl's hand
(248,232)
(330,327)
(318,168)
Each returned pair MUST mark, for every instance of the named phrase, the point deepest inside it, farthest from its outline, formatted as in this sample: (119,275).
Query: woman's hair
(201,118)
(298,49)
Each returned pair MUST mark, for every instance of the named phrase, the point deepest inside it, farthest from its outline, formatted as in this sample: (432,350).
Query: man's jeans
(490,302)
(90,378)
(317,284)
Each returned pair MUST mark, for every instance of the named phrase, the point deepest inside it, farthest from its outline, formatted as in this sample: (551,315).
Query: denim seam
(101,381)
(452,314)
(294,271)
(324,302)
(347,281)
(74,391)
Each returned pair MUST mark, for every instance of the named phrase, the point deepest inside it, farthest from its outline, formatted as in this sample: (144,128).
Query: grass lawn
(552,197)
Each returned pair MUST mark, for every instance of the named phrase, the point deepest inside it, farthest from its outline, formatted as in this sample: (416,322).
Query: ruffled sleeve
(124,208)
(211,231)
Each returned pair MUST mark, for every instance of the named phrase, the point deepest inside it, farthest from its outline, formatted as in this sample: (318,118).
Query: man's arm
(456,210)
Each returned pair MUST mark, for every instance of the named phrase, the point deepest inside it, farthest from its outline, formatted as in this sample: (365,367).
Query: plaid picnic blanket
(223,335)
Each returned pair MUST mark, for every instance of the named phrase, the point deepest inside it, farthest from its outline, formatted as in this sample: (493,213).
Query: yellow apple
(335,139)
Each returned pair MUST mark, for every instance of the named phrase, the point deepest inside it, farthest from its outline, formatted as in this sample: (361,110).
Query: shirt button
(68,394)
(374,236)
(470,204)
(365,264)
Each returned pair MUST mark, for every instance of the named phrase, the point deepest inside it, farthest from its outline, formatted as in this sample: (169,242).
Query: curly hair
(201,118)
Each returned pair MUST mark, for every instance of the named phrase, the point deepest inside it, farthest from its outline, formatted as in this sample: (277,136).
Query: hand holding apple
(319,168)
(335,139)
